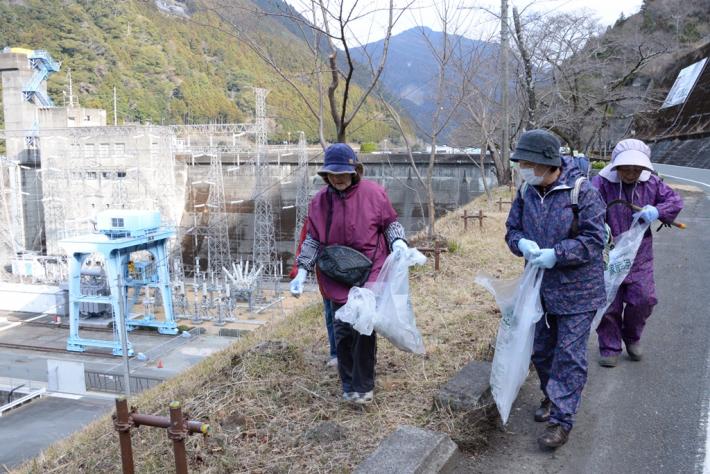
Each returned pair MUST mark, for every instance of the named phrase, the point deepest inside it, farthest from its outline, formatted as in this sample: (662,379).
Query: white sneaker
(363,398)
(332,362)
(349,396)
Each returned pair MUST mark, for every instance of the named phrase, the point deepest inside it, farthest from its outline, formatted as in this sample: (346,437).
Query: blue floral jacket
(576,283)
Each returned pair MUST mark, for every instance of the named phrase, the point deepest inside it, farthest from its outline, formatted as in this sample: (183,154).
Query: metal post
(436,255)
(123,331)
(122,423)
(465,220)
(178,432)
(480,218)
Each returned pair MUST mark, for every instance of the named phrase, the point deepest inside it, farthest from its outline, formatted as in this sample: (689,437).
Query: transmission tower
(304,187)
(218,225)
(264,252)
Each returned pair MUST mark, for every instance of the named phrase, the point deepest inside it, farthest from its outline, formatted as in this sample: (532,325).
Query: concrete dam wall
(457,180)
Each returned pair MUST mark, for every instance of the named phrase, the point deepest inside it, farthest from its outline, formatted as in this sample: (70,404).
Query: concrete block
(411,450)
(468,390)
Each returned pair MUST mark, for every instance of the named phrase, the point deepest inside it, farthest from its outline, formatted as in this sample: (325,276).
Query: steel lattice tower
(218,224)
(264,252)
(304,188)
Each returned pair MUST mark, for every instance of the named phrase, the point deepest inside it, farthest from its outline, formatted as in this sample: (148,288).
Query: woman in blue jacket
(551,231)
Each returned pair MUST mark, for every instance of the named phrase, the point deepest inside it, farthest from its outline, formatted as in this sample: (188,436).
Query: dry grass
(262,397)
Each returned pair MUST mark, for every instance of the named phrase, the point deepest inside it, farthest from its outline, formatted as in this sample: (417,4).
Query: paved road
(24,432)
(640,417)
(696,176)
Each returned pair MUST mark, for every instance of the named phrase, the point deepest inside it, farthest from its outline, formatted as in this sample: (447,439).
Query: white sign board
(684,83)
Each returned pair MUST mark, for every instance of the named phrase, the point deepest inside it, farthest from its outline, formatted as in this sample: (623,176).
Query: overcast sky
(479,23)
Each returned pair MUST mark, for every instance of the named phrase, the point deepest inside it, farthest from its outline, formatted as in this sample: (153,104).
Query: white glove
(528,248)
(296,285)
(399,245)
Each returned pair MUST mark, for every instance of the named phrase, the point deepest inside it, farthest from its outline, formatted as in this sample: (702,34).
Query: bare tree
(326,28)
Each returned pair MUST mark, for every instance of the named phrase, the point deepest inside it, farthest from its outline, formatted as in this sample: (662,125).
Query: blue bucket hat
(339,159)
(538,146)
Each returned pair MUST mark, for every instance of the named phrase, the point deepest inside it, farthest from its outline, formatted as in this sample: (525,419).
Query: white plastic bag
(521,308)
(621,258)
(391,315)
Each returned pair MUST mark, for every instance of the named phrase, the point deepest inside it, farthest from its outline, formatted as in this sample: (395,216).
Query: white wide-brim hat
(629,152)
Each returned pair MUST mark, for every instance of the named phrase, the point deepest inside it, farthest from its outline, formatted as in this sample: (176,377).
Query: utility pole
(115,116)
(504,74)
(123,331)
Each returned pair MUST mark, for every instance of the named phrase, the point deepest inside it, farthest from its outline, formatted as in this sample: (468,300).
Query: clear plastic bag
(384,305)
(521,308)
(621,259)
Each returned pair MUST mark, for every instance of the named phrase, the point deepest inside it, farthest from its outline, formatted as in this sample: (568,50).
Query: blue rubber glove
(399,245)
(296,285)
(648,214)
(528,248)
(546,258)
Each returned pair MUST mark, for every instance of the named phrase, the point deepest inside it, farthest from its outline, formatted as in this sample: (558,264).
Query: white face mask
(528,174)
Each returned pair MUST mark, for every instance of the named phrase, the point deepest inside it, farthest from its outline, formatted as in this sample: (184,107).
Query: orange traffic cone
(160,363)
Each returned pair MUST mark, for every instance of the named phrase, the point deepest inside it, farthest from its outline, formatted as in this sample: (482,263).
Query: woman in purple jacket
(551,231)
(629,178)
(362,218)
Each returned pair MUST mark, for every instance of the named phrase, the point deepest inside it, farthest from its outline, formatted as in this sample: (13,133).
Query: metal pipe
(140,419)
(178,432)
(122,423)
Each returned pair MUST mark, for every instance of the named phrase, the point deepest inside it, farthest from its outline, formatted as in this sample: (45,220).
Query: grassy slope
(259,403)
(168,69)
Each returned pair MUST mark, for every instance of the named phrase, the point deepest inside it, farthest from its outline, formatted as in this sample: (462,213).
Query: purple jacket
(360,216)
(576,283)
(654,192)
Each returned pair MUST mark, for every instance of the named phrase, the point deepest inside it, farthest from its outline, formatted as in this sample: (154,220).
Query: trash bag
(384,305)
(621,259)
(521,308)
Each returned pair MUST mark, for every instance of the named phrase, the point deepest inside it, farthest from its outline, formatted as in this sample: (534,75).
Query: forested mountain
(410,76)
(171,61)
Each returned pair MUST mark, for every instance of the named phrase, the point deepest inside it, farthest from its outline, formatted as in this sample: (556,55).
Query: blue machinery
(121,233)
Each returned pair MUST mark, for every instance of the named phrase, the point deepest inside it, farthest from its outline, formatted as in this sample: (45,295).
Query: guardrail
(22,400)
(114,383)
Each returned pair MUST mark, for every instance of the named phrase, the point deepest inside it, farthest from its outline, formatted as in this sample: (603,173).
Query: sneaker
(609,361)
(635,352)
(349,396)
(542,414)
(363,398)
(332,362)
(553,437)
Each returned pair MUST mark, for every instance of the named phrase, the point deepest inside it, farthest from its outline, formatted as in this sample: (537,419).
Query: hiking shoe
(542,414)
(349,396)
(553,437)
(634,351)
(333,362)
(363,398)
(609,361)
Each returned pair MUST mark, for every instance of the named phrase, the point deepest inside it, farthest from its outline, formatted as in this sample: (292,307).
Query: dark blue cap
(339,159)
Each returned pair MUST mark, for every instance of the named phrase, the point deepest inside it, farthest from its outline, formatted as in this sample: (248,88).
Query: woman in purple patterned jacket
(629,178)
(546,228)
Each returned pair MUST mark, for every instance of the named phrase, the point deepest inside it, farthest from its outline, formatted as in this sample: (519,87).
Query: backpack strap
(574,199)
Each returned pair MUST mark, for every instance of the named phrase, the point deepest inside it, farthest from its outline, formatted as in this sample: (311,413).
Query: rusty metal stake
(500,204)
(123,423)
(177,425)
(178,432)
(436,251)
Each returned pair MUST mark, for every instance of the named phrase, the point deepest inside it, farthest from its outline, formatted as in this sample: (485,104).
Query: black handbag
(340,262)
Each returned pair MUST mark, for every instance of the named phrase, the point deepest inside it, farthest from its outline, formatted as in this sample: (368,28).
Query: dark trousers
(357,355)
(329,317)
(560,359)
